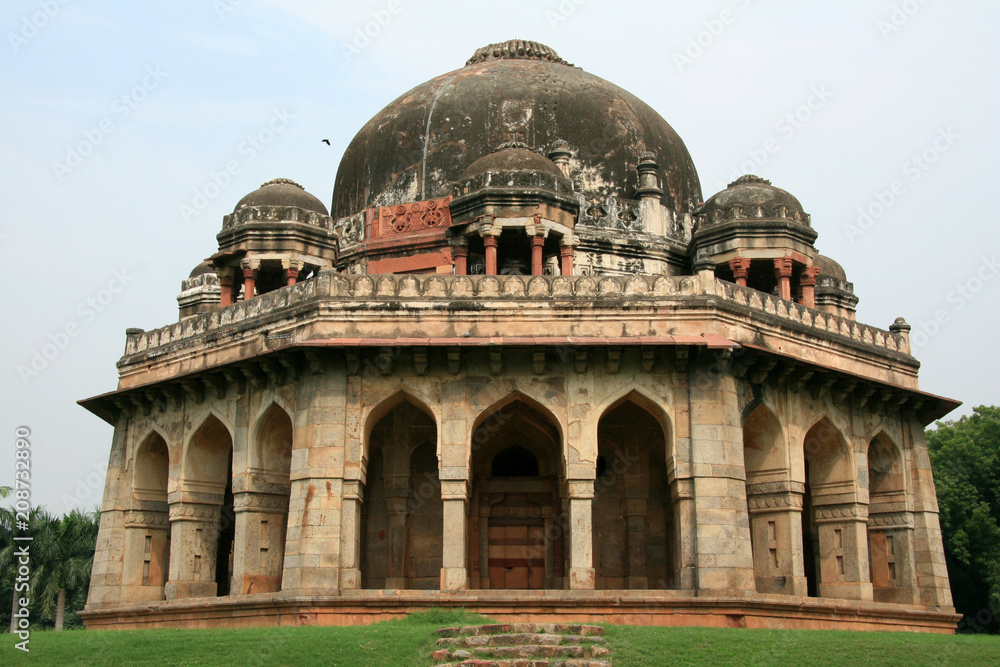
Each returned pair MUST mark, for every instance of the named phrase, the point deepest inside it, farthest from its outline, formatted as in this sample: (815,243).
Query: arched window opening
(515,461)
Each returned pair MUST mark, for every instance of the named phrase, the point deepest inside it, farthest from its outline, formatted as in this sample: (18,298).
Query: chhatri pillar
(783,272)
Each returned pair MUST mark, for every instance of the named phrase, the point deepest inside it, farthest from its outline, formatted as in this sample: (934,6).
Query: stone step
(522,645)
(523,651)
(529,663)
(517,639)
(523,628)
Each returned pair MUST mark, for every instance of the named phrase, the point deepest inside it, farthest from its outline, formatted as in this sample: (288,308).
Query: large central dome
(420,144)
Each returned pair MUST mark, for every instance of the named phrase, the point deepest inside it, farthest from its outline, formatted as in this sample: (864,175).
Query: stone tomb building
(521,367)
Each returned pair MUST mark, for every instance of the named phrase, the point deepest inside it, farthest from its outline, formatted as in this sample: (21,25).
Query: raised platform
(660,608)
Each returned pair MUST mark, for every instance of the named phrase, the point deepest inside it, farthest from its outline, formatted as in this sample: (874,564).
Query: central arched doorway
(517,523)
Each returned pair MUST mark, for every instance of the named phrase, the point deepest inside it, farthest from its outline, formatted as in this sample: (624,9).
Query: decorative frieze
(416,217)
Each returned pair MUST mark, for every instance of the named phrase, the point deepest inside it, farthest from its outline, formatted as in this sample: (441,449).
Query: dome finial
(516,49)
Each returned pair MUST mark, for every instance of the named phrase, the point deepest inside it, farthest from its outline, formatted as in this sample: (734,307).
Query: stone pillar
(783,272)
(454,572)
(194,538)
(460,253)
(324,462)
(292,268)
(108,575)
(537,243)
(566,256)
(740,267)
(146,553)
(490,242)
(808,281)
(226,281)
(776,534)
(581,539)
(723,555)
(250,268)
(350,536)
(258,553)
(928,545)
(843,550)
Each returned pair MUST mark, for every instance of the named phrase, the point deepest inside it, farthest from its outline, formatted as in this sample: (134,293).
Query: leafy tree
(965,456)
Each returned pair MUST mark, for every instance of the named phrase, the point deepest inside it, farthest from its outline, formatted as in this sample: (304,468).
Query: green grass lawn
(408,642)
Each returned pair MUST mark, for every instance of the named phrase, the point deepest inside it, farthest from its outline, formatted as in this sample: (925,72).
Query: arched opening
(888,537)
(770,504)
(516,525)
(829,542)
(148,542)
(632,513)
(401,516)
(208,475)
(263,517)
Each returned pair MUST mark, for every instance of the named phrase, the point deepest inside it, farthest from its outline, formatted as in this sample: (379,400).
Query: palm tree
(7,547)
(64,549)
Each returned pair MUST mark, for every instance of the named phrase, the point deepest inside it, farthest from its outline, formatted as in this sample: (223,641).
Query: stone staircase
(522,645)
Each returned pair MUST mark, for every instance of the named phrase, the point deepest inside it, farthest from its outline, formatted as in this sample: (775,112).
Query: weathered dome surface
(755,197)
(516,158)
(420,144)
(202,269)
(282,192)
(828,267)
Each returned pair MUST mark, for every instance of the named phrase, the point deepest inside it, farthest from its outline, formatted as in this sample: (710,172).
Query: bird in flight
(326,141)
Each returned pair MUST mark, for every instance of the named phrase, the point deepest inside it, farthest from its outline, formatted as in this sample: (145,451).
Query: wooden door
(517,556)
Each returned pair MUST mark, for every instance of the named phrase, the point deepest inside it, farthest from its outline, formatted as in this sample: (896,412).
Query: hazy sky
(119,120)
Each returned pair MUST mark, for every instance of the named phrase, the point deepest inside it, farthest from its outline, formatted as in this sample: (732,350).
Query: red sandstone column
(292,268)
(460,254)
(740,267)
(808,281)
(783,272)
(249,279)
(566,257)
(226,298)
(491,254)
(536,255)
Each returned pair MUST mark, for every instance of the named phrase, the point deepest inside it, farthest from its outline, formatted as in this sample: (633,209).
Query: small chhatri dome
(828,267)
(512,156)
(202,269)
(515,49)
(751,196)
(282,192)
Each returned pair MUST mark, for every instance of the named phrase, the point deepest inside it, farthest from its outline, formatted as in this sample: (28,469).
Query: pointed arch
(512,541)
(764,451)
(886,470)
(272,443)
(151,471)
(207,474)
(401,528)
(208,455)
(633,523)
(827,455)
